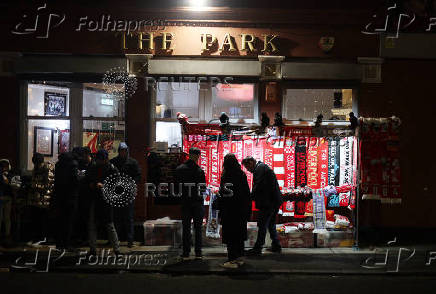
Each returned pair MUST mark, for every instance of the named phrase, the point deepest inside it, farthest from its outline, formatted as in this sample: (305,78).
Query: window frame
(75,114)
(205,107)
(353,85)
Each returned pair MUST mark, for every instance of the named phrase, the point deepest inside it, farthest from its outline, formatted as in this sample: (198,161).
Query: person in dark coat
(124,216)
(268,198)
(190,175)
(234,209)
(66,193)
(85,162)
(101,212)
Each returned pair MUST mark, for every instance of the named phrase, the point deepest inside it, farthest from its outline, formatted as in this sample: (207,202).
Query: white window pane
(236,100)
(177,97)
(49,146)
(46,100)
(307,104)
(170,132)
(98,103)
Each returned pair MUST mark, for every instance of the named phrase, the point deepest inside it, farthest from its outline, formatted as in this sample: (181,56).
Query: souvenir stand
(316,168)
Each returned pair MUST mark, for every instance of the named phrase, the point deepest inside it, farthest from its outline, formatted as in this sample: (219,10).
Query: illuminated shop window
(307,104)
(100,102)
(48,137)
(96,113)
(103,135)
(177,97)
(45,100)
(237,100)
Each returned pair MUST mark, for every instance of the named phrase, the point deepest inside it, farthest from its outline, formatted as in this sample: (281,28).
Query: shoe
(240,261)
(276,249)
(184,257)
(130,244)
(230,264)
(254,252)
(199,256)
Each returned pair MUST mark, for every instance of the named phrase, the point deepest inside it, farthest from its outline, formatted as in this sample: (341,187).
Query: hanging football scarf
(300,163)
(323,161)
(345,172)
(213,226)
(333,165)
(214,168)
(248,151)
(268,154)
(278,163)
(312,163)
(319,211)
(354,178)
(289,159)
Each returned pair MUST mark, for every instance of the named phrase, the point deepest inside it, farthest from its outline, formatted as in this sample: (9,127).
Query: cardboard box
(163,233)
(335,239)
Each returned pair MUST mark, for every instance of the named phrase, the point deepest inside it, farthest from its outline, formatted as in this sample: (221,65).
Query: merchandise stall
(322,170)
(316,168)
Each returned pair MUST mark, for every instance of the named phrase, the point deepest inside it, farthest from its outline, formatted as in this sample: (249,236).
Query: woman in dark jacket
(234,209)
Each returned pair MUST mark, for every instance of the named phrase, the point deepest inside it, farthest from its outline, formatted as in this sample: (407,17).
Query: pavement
(410,260)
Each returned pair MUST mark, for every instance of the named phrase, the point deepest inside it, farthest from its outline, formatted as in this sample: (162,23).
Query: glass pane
(177,97)
(98,102)
(307,104)
(103,135)
(170,132)
(46,100)
(237,100)
(48,137)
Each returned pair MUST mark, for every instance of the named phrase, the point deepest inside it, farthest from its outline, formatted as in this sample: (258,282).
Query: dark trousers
(235,249)
(124,221)
(192,211)
(67,212)
(266,220)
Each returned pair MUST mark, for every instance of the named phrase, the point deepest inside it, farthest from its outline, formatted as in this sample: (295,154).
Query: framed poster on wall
(43,141)
(55,104)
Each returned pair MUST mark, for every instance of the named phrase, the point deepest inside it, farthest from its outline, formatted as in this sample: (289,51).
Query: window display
(306,104)
(47,100)
(48,138)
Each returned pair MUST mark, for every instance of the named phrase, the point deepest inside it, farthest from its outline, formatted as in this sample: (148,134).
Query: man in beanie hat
(190,175)
(100,212)
(124,216)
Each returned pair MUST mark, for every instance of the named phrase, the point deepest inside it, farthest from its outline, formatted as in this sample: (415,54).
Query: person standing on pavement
(267,197)
(6,198)
(85,162)
(66,193)
(100,212)
(234,209)
(190,175)
(124,216)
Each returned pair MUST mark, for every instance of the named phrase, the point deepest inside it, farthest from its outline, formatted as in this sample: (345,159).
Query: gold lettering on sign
(123,42)
(149,39)
(166,41)
(248,42)
(205,43)
(228,42)
(267,41)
